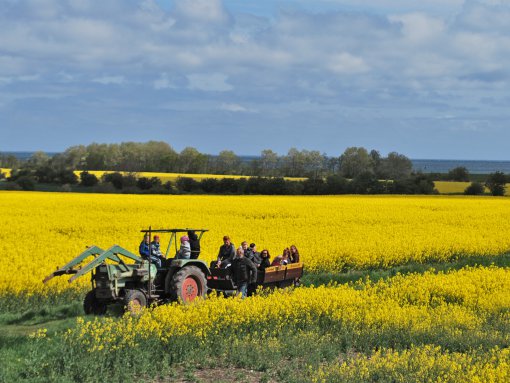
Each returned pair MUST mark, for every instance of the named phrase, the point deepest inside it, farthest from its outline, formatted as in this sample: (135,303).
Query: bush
(366,183)
(496,183)
(476,188)
(337,185)
(88,179)
(187,184)
(116,179)
(415,184)
(26,182)
(209,185)
(459,173)
(66,188)
(144,183)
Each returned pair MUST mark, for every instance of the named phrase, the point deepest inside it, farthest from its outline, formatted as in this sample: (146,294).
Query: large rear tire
(188,284)
(92,306)
(134,301)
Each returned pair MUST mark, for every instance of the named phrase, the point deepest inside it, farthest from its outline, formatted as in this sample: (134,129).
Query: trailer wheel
(92,306)
(135,300)
(188,284)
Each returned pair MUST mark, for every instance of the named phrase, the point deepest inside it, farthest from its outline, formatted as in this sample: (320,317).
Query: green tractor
(121,277)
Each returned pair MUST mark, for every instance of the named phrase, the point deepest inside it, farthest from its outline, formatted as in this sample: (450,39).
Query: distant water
(25,155)
(425,166)
(474,167)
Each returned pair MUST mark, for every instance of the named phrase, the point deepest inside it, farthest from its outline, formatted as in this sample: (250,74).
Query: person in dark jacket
(145,251)
(226,254)
(265,259)
(194,244)
(244,272)
(255,255)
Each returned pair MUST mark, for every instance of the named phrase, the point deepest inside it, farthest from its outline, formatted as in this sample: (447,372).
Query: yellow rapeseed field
(453,187)
(439,307)
(42,230)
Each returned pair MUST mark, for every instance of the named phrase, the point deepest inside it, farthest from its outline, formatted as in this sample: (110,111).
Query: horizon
(428,80)
(249,156)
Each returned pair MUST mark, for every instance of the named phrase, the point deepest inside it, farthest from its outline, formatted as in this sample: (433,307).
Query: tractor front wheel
(188,284)
(92,306)
(135,300)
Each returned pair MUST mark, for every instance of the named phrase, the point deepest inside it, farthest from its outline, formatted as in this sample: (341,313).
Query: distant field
(173,176)
(163,176)
(7,172)
(443,187)
(451,187)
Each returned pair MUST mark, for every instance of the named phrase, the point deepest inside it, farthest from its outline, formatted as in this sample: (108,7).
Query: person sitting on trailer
(145,252)
(277,261)
(226,254)
(194,244)
(265,259)
(185,251)
(246,250)
(255,255)
(286,256)
(244,272)
(294,254)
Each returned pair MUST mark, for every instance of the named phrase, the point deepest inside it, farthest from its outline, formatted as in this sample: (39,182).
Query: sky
(428,79)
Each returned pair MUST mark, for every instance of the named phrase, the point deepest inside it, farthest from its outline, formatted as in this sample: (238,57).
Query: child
(185,250)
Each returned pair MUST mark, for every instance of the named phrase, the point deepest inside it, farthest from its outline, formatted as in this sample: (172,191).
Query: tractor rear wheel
(135,300)
(92,306)
(188,284)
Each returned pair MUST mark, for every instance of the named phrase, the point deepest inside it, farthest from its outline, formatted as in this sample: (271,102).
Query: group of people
(228,253)
(246,261)
(189,249)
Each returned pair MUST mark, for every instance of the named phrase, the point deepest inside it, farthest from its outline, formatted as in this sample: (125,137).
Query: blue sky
(428,79)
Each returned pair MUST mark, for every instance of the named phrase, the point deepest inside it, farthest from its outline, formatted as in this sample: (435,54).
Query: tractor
(121,277)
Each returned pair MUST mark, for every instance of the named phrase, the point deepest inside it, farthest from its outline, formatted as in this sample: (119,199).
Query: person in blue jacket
(144,251)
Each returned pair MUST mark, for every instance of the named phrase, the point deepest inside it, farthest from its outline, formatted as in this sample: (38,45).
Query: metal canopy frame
(173,235)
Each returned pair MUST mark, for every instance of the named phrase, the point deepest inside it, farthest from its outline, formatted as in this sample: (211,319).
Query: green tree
(192,161)
(315,164)
(460,173)
(395,167)
(294,163)
(269,163)
(496,183)
(354,162)
(227,163)
(476,188)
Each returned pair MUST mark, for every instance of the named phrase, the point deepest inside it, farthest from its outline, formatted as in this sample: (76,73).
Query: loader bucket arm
(69,267)
(113,254)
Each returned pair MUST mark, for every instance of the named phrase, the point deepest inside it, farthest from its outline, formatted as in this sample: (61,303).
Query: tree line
(356,171)
(157,156)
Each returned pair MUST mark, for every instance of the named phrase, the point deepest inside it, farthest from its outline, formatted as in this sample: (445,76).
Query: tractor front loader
(113,280)
(121,277)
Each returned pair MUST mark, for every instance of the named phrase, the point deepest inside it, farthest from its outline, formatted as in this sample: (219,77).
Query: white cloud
(343,60)
(236,108)
(15,79)
(110,80)
(345,63)
(209,82)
